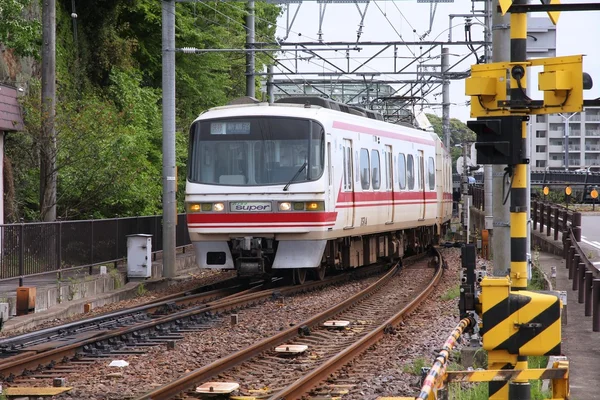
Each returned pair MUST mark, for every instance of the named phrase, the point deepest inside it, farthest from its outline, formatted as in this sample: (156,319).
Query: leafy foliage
(459,133)
(108,113)
(17,32)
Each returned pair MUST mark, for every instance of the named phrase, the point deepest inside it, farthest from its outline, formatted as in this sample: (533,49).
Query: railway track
(60,356)
(261,371)
(17,344)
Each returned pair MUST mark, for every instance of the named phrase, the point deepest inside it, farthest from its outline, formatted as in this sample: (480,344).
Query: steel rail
(19,342)
(301,386)
(20,363)
(187,381)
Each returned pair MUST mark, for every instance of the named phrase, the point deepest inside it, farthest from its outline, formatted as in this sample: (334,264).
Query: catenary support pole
(250,61)
(168,147)
(500,211)
(270,93)
(446,97)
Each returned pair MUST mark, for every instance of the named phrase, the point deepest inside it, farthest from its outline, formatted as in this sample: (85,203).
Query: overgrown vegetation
(451,293)
(537,281)
(108,108)
(460,133)
(415,367)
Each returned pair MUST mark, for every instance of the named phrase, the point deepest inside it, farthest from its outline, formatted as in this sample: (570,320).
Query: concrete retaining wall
(70,294)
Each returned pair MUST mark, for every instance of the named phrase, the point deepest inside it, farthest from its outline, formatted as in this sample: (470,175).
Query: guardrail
(553,217)
(29,249)
(585,276)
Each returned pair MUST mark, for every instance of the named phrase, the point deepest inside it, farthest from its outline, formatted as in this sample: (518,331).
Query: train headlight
(285,206)
(207,206)
(193,207)
(315,206)
(218,207)
(298,206)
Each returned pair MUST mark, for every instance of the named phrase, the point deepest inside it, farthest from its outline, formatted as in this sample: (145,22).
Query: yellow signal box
(562,84)
(523,323)
(486,86)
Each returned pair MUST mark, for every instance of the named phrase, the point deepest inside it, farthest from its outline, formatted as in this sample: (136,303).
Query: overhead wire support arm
(522,8)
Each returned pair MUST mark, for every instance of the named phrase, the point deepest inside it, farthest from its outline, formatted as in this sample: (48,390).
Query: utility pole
(168,145)
(500,212)
(488,170)
(250,54)
(48,135)
(465,193)
(446,97)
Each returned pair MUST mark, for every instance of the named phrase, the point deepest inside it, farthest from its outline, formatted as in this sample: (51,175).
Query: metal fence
(38,248)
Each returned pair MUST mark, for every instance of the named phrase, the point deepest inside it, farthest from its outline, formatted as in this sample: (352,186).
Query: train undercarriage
(253,256)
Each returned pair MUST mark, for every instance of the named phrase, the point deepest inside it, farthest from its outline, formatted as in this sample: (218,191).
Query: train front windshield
(250,151)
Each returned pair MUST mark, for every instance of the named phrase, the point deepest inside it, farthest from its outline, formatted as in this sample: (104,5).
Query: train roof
(298,106)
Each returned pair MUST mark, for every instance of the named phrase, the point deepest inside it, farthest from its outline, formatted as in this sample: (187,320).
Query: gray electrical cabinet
(139,256)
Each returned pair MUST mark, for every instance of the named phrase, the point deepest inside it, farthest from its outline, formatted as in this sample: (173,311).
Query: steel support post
(168,146)
(596,305)
(446,98)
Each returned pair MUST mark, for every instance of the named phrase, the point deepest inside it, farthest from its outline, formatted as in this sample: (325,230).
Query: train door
(330,191)
(389,184)
(348,182)
(421,177)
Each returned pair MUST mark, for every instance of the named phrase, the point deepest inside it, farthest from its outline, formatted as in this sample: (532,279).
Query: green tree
(459,133)
(109,98)
(19,33)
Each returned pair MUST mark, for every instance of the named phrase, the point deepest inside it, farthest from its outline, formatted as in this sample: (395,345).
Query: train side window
(375,169)
(365,169)
(431,173)
(402,170)
(410,171)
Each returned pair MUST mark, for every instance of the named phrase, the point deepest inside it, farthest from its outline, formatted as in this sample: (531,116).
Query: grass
(479,391)
(415,367)
(451,293)
(141,290)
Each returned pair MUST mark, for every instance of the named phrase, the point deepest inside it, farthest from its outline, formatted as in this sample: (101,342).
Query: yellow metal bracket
(486,86)
(561,82)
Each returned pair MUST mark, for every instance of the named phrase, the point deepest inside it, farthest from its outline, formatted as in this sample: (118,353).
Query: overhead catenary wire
(309,60)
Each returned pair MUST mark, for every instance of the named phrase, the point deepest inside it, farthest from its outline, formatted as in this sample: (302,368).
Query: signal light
(499,141)
(588,82)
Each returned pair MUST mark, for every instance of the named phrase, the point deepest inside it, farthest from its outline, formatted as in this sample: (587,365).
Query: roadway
(590,236)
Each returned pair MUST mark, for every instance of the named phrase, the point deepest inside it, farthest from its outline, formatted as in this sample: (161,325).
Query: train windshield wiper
(285,188)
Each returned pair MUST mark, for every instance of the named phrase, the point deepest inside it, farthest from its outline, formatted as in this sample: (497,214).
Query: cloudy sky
(409,21)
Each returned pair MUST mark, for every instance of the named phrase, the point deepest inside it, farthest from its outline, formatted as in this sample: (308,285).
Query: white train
(308,184)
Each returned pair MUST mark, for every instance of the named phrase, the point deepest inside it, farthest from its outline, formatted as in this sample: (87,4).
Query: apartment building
(551,134)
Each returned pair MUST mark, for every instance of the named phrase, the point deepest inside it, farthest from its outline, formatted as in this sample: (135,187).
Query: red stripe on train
(344,197)
(268,217)
(371,131)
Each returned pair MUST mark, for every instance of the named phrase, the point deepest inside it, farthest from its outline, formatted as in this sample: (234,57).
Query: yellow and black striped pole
(519,389)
